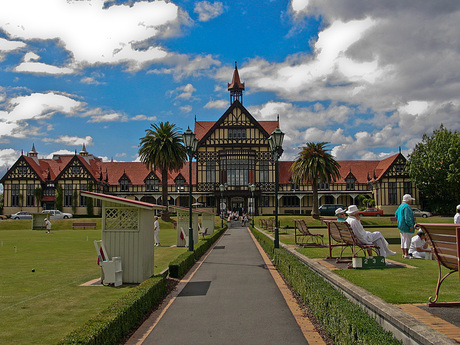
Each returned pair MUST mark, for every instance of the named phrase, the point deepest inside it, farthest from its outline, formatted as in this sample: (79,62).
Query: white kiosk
(207,222)
(127,233)
(183,216)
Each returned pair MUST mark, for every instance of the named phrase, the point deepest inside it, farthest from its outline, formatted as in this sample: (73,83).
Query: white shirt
(358,230)
(416,242)
(457,218)
(156,226)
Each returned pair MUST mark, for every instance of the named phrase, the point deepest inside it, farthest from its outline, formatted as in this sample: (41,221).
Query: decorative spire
(236,87)
(32,152)
(83,151)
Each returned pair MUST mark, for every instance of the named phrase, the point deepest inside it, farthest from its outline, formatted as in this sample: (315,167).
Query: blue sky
(366,76)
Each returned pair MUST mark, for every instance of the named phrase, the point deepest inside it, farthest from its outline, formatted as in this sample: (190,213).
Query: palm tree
(162,149)
(315,164)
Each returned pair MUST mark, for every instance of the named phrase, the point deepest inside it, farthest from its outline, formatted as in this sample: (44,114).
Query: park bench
(84,225)
(343,234)
(445,241)
(336,240)
(303,236)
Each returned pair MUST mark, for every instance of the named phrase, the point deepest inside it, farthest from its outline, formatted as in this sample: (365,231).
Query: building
(233,152)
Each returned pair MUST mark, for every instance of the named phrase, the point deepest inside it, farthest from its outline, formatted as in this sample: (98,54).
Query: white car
(56,214)
(419,213)
(21,215)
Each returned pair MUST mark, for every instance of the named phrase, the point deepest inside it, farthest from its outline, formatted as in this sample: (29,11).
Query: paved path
(230,298)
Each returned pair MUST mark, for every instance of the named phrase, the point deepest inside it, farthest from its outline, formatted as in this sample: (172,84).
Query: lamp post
(276,146)
(191,145)
(252,188)
(222,188)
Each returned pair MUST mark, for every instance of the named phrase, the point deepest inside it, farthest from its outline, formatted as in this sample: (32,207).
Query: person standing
(457,216)
(367,237)
(406,223)
(156,231)
(47,225)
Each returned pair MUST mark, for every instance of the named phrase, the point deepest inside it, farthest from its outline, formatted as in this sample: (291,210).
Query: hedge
(115,322)
(181,265)
(344,321)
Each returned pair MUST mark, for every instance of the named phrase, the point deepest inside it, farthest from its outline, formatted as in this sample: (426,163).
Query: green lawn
(43,306)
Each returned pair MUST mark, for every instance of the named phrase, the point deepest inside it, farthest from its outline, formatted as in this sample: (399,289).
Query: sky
(369,77)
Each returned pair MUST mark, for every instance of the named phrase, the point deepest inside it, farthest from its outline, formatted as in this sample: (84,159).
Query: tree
(434,166)
(162,148)
(38,193)
(89,201)
(313,165)
(59,197)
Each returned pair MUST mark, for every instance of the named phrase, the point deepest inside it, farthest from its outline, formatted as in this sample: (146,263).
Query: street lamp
(222,188)
(276,146)
(191,145)
(252,188)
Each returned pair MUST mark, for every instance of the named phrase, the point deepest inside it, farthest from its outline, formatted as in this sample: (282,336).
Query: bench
(304,237)
(445,241)
(342,233)
(335,240)
(84,225)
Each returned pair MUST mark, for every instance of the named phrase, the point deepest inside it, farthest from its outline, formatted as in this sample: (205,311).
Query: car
(21,215)
(329,209)
(371,212)
(56,214)
(420,213)
(2,217)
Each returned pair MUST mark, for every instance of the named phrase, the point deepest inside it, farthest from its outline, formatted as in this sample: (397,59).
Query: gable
(75,170)
(396,168)
(21,170)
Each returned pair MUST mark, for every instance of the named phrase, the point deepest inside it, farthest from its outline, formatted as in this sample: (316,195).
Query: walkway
(230,297)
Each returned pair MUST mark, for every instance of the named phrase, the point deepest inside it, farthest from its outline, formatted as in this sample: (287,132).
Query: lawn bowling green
(127,232)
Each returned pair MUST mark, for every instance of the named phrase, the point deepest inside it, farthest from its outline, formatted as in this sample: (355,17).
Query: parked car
(21,215)
(56,214)
(2,216)
(420,213)
(329,209)
(371,212)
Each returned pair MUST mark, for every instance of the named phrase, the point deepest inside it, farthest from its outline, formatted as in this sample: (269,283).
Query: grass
(43,306)
(394,285)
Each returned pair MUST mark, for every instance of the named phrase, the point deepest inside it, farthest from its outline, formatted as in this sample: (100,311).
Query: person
(457,216)
(366,237)
(47,225)
(341,215)
(406,224)
(418,246)
(156,231)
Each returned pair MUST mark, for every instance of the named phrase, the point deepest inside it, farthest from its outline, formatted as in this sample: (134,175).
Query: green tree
(38,193)
(314,164)
(59,197)
(162,148)
(434,166)
(89,201)
(74,201)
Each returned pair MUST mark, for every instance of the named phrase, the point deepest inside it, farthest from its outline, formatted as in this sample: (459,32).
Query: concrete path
(228,298)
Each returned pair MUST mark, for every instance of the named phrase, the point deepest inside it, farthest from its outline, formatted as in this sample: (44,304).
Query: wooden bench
(84,225)
(335,240)
(342,233)
(445,241)
(304,237)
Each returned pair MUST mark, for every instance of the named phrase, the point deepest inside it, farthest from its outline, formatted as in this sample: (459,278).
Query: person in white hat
(418,246)
(457,216)
(364,236)
(406,223)
(341,214)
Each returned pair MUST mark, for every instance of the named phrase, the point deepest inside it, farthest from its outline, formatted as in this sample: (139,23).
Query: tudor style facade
(233,152)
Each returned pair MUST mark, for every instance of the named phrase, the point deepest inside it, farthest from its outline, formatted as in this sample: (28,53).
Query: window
(68,191)
(323,186)
(210,201)
(263,171)
(210,171)
(290,201)
(294,186)
(15,195)
(264,201)
(152,185)
(49,190)
(30,198)
(237,167)
(392,193)
(82,197)
(350,183)
(237,133)
(76,170)
(124,185)
(180,185)
(407,188)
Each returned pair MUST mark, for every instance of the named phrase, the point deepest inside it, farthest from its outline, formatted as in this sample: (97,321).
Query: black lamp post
(276,146)
(222,188)
(191,145)
(252,188)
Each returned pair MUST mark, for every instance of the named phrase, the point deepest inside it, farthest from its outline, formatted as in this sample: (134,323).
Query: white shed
(183,218)
(127,232)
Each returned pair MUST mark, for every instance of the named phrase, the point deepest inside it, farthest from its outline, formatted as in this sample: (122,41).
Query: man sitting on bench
(366,237)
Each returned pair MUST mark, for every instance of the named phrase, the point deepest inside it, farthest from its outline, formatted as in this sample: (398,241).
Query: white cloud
(111,117)
(71,140)
(90,31)
(8,157)
(144,118)
(207,11)
(7,46)
(186,109)
(217,104)
(184,92)
(31,65)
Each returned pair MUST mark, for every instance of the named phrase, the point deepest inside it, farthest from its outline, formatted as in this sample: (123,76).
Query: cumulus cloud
(207,11)
(91,31)
(217,104)
(71,140)
(31,65)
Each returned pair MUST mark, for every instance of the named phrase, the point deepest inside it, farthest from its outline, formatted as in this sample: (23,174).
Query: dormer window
(180,184)
(152,185)
(323,185)
(124,184)
(350,181)
(294,186)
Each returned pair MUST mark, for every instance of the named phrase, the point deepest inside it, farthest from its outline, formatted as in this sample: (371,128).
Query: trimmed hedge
(344,321)
(181,265)
(115,322)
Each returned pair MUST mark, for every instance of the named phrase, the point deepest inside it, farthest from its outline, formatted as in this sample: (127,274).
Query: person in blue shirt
(341,215)
(406,224)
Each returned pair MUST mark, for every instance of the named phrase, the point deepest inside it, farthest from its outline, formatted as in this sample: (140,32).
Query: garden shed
(182,227)
(127,232)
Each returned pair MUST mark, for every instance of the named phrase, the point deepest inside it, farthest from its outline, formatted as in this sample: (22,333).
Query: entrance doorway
(237,204)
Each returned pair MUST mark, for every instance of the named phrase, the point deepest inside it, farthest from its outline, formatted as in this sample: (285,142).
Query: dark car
(329,209)
(375,212)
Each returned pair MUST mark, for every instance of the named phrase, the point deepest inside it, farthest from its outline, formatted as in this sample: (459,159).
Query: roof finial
(236,87)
